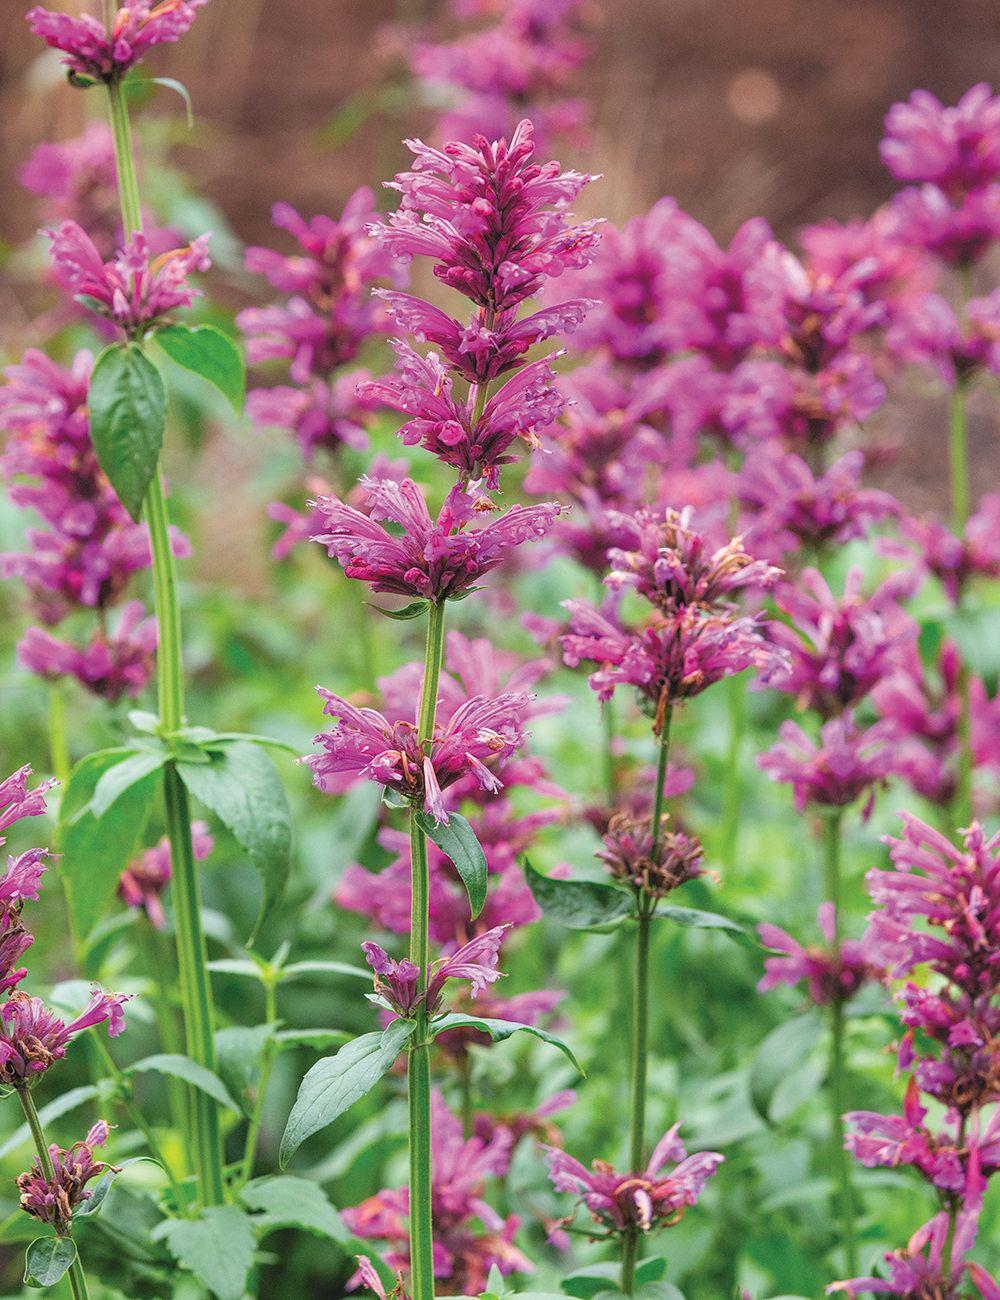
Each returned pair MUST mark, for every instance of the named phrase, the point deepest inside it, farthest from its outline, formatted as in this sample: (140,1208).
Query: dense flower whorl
(94,55)
(130,291)
(674,568)
(956,148)
(54,1200)
(639,1200)
(396,982)
(836,971)
(493,221)
(846,763)
(434,559)
(628,855)
(32,1038)
(109,666)
(365,743)
(17,801)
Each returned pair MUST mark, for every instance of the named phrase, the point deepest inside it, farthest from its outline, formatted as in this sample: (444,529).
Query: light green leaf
(217,1248)
(458,840)
(578,904)
(297,1202)
(238,1052)
(317,1039)
(47,1259)
(326,967)
(95,853)
(499,1030)
(337,1082)
(779,1054)
(116,780)
(236,966)
(242,787)
(182,90)
(206,351)
(46,1114)
(182,1067)
(127,405)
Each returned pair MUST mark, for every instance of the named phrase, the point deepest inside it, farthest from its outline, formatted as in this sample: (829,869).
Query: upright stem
(732,793)
(257,1115)
(418,1077)
(128,184)
(645,905)
(841,1158)
(610,784)
(77,1277)
(58,749)
(958,457)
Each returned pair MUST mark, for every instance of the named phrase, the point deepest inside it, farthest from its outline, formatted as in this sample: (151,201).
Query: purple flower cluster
(53,1200)
(396,982)
(834,972)
(518,67)
(146,877)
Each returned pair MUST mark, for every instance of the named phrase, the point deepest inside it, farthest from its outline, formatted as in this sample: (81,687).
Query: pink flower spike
(17,801)
(96,56)
(846,764)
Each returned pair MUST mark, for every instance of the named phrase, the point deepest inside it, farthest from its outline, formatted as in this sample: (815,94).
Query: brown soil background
(737,108)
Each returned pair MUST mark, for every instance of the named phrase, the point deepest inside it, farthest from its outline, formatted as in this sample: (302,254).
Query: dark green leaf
(103,1186)
(218,1248)
(238,1052)
(47,1259)
(458,840)
(707,921)
(392,798)
(413,610)
(337,1082)
(95,853)
(182,1067)
(293,1202)
(127,406)
(209,353)
(594,1278)
(317,1039)
(782,1051)
(498,1030)
(116,780)
(242,787)
(578,904)
(46,1114)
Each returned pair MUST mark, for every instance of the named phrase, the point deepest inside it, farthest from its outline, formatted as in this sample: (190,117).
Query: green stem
(661,776)
(257,1114)
(841,1158)
(58,749)
(630,1249)
(170,675)
(418,1077)
(732,793)
(610,785)
(961,808)
(77,1277)
(128,184)
(958,457)
(196,995)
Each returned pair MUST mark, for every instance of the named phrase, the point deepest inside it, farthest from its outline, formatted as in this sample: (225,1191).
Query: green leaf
(128,406)
(208,352)
(104,1185)
(293,1202)
(46,1114)
(413,610)
(458,840)
(116,780)
(326,967)
(236,966)
(182,1067)
(243,789)
(182,90)
(95,853)
(593,1279)
(317,1039)
(47,1259)
(238,1052)
(578,904)
(337,1082)
(782,1051)
(707,921)
(217,1248)
(498,1030)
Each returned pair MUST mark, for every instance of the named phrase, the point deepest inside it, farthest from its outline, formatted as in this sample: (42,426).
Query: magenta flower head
(494,222)
(956,148)
(852,643)
(396,982)
(32,1038)
(146,877)
(845,764)
(365,743)
(628,855)
(433,560)
(833,972)
(893,1140)
(53,1201)
(130,291)
(17,801)
(21,880)
(646,1200)
(94,55)
(109,667)
(674,568)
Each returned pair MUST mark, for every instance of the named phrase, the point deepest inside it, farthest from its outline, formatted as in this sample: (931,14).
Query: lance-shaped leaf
(95,852)
(458,840)
(208,352)
(217,1247)
(46,1114)
(127,405)
(699,920)
(413,610)
(99,1192)
(286,1201)
(243,789)
(782,1051)
(578,904)
(337,1082)
(498,1030)
(182,1067)
(116,780)
(46,1260)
